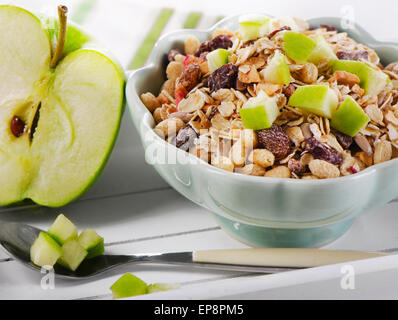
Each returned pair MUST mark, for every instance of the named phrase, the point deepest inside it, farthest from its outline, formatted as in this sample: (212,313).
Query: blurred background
(124,25)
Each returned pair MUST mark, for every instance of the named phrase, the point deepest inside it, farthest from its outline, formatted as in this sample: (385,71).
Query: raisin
(275,140)
(223,77)
(289,90)
(296,166)
(344,140)
(172,54)
(273,33)
(322,152)
(356,55)
(17,126)
(221,41)
(328,27)
(185,138)
(189,77)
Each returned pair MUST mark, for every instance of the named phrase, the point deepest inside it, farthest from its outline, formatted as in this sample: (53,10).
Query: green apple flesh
(92,242)
(62,230)
(318,99)
(349,118)
(298,46)
(157,287)
(73,255)
(253,26)
(45,251)
(322,51)
(277,70)
(372,81)
(79,102)
(127,286)
(217,58)
(259,112)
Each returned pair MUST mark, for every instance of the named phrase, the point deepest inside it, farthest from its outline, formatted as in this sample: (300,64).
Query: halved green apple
(323,50)
(253,26)
(217,58)
(349,117)
(372,81)
(70,114)
(277,70)
(318,99)
(259,112)
(298,46)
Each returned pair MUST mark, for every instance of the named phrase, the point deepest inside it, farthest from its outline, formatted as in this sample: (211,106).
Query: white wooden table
(134,209)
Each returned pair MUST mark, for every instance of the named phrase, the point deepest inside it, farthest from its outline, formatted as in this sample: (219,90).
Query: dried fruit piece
(273,33)
(224,77)
(322,151)
(328,27)
(185,138)
(172,54)
(262,157)
(344,140)
(222,41)
(190,76)
(296,166)
(191,44)
(275,140)
(356,55)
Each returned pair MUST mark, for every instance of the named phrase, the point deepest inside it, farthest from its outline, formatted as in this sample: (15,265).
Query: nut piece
(278,172)
(383,152)
(309,73)
(275,140)
(169,127)
(262,157)
(323,169)
(238,154)
(223,163)
(344,77)
(363,143)
(150,101)
(191,44)
(174,70)
(249,138)
(252,170)
(157,115)
(295,134)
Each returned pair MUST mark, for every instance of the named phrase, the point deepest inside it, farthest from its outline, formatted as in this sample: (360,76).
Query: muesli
(278,98)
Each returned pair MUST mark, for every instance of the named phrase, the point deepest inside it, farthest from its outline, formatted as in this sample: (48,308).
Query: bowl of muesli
(285,129)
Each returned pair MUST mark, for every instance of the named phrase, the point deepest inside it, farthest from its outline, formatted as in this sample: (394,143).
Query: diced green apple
(349,117)
(92,242)
(63,230)
(45,251)
(277,70)
(217,58)
(127,286)
(298,46)
(318,99)
(323,50)
(372,81)
(259,112)
(156,287)
(253,26)
(73,255)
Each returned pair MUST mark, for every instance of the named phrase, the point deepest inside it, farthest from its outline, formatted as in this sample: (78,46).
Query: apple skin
(298,46)
(318,99)
(277,70)
(45,250)
(253,26)
(217,58)
(323,50)
(349,117)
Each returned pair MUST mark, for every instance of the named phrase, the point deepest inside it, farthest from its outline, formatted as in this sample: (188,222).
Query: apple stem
(59,49)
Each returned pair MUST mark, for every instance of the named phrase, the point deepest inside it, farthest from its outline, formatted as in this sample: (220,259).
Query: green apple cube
(92,242)
(277,70)
(298,46)
(349,117)
(259,112)
(372,81)
(323,50)
(128,286)
(318,99)
(157,287)
(73,255)
(45,251)
(71,110)
(217,58)
(253,26)
(63,230)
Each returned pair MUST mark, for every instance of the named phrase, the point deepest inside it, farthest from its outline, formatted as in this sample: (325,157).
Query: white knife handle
(281,257)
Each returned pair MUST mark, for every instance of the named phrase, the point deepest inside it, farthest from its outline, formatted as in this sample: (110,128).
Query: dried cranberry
(275,140)
(344,140)
(17,126)
(353,170)
(278,30)
(172,54)
(223,77)
(322,151)
(296,166)
(356,55)
(328,27)
(190,76)
(221,41)
(185,138)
